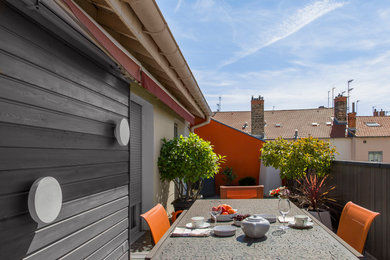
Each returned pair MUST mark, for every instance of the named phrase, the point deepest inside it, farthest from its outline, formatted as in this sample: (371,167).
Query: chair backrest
(158,221)
(242,192)
(355,222)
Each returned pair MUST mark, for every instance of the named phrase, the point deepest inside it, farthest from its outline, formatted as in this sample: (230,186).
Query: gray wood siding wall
(367,184)
(57,115)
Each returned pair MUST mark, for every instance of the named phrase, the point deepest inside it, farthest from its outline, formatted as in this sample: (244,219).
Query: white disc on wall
(122,132)
(45,200)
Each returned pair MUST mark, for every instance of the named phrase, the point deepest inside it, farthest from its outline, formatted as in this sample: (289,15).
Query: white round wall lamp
(45,200)
(122,132)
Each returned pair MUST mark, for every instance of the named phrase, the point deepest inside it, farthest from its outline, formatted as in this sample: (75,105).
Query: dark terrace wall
(57,115)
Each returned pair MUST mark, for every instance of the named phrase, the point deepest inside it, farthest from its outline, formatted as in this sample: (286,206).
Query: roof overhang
(136,36)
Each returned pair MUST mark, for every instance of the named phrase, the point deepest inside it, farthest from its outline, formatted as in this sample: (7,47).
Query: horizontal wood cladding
(76,239)
(16,204)
(97,248)
(18,234)
(27,158)
(58,110)
(23,71)
(58,58)
(22,179)
(13,135)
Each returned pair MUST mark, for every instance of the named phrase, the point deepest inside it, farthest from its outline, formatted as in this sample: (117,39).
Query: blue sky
(291,52)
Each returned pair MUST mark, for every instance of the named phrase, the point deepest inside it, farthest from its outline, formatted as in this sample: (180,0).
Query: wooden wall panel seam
(58,112)
(55,247)
(58,95)
(59,76)
(53,56)
(27,72)
(81,250)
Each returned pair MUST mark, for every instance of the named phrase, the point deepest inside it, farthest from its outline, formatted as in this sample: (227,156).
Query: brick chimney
(257,116)
(381,113)
(376,113)
(340,110)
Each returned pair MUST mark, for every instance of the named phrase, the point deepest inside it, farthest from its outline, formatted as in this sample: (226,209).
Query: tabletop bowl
(225,218)
(224,231)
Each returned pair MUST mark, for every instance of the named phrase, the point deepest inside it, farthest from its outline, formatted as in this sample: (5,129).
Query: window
(175,132)
(375,156)
(372,124)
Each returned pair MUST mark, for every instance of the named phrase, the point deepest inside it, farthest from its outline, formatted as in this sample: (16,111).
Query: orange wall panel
(242,151)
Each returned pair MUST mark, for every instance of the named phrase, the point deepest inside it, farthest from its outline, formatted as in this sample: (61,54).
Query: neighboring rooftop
(367,126)
(315,122)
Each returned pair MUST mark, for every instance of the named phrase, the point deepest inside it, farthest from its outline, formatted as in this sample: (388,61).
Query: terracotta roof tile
(289,120)
(362,129)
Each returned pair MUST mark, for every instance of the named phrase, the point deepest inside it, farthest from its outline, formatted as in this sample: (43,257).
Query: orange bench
(242,192)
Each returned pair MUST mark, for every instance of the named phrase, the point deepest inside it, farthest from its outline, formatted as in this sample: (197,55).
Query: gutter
(206,122)
(156,26)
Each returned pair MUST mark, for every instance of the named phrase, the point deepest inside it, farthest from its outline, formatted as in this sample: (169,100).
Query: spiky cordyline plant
(313,192)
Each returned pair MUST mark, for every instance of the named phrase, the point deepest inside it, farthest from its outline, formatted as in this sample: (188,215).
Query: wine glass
(216,211)
(284,208)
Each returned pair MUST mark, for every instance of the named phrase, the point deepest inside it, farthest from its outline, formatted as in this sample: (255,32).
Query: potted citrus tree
(187,161)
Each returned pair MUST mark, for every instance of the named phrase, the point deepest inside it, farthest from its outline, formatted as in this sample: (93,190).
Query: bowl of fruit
(238,218)
(227,212)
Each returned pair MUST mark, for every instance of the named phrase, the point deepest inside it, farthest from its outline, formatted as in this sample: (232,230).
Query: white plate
(307,225)
(271,218)
(224,231)
(205,225)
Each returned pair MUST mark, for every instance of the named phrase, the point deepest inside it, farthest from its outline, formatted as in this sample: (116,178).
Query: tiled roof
(289,120)
(362,129)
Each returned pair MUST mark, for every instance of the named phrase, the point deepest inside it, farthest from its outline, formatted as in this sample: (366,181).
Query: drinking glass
(284,208)
(216,212)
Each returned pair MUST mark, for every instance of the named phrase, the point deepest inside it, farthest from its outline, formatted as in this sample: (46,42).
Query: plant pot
(182,203)
(323,216)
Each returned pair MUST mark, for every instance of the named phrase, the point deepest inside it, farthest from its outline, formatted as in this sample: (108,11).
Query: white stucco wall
(158,123)
(363,145)
(269,177)
(343,148)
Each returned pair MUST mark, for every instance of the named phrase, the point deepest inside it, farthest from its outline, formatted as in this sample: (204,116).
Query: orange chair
(175,215)
(158,221)
(355,222)
(242,192)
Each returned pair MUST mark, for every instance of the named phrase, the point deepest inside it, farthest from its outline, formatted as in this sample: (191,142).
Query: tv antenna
(219,105)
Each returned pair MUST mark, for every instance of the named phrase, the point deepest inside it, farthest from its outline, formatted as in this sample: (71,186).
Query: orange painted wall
(242,151)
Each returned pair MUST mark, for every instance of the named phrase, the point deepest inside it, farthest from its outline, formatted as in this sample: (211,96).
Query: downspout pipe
(206,122)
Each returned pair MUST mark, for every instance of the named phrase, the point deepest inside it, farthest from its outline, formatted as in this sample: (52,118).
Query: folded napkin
(186,232)
(288,219)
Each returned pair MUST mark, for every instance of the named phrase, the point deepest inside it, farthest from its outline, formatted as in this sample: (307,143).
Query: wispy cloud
(179,2)
(306,87)
(287,27)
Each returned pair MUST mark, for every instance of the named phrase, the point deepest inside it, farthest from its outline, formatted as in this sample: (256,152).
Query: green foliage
(229,175)
(187,161)
(247,181)
(298,158)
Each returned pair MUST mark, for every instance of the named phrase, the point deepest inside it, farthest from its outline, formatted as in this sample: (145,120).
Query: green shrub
(229,175)
(187,161)
(298,158)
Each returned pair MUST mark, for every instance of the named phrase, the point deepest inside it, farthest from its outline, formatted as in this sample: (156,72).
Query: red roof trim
(124,60)
(153,88)
(131,67)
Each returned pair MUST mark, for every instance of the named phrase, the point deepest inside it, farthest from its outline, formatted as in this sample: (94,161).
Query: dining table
(316,242)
